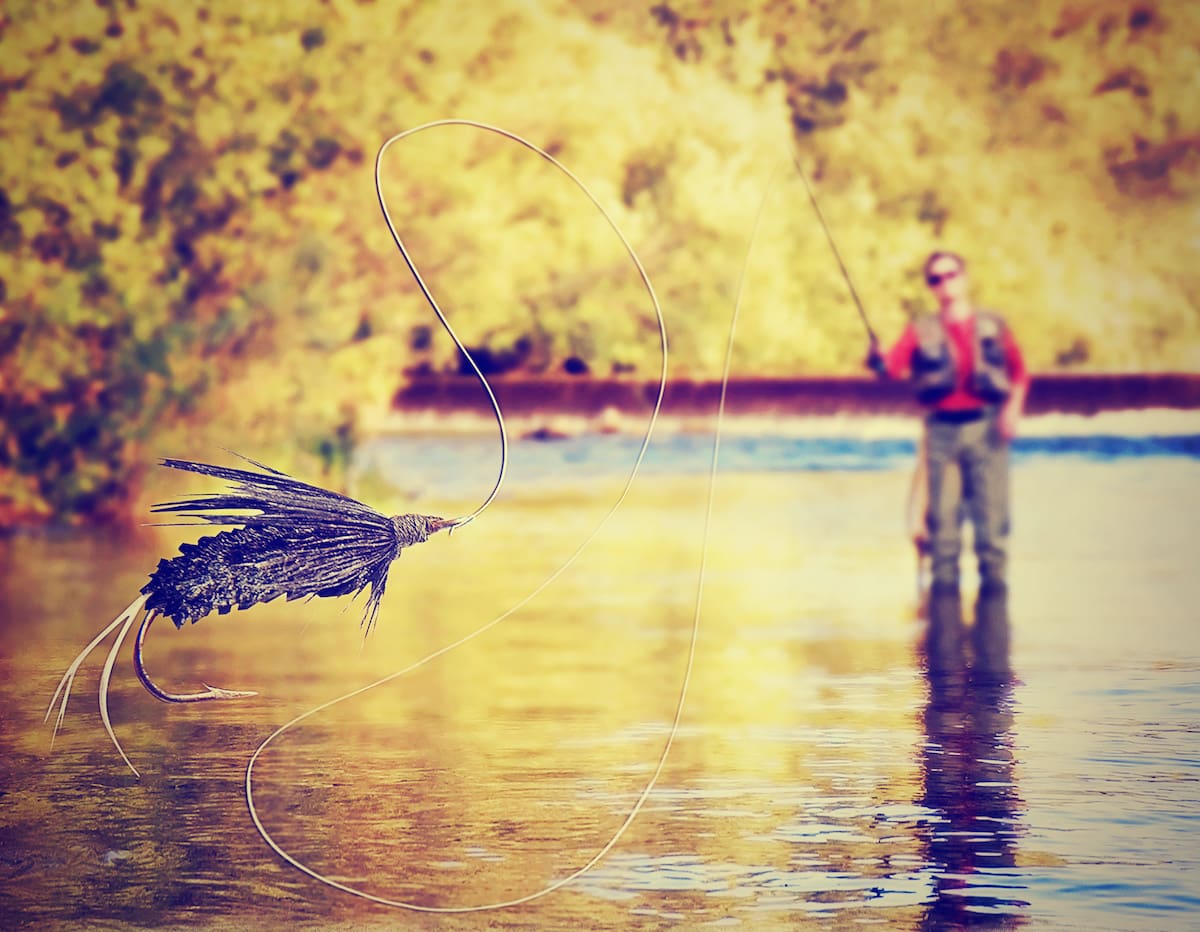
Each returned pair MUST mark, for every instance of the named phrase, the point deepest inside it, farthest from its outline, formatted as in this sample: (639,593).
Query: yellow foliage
(191,187)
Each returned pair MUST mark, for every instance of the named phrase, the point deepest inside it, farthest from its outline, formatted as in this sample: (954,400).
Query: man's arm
(895,362)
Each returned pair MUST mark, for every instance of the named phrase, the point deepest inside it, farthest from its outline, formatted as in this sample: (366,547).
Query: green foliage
(191,252)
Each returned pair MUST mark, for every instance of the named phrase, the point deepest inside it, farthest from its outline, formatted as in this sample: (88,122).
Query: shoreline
(1147,422)
(1131,404)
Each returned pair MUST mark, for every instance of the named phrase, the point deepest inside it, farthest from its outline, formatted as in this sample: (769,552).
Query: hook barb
(139,666)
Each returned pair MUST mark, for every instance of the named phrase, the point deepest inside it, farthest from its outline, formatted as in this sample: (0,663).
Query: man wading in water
(967,369)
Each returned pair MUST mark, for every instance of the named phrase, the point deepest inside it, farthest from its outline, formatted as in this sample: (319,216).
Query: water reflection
(967,765)
(820,780)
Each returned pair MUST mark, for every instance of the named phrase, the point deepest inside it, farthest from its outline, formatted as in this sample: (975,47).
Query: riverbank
(1059,404)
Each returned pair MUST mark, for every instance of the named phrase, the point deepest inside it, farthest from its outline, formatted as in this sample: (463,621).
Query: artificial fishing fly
(288,539)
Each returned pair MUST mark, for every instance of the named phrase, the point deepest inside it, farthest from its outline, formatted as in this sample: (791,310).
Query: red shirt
(961,334)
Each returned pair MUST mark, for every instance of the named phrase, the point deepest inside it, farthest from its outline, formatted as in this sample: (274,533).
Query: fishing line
(645,443)
(645,793)
(432,301)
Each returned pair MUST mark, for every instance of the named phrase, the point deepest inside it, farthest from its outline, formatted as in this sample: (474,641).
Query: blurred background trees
(191,252)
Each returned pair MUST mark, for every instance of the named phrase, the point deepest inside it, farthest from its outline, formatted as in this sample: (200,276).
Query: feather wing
(289,539)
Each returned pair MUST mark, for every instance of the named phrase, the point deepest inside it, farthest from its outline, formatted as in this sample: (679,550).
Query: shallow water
(835,763)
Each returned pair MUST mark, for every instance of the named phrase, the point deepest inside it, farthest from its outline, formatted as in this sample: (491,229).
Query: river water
(839,760)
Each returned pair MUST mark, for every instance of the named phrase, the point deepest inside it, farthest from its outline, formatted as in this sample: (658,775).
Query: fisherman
(967,370)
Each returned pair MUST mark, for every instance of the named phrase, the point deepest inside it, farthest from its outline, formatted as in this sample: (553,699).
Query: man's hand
(1007,421)
(1010,414)
(875,361)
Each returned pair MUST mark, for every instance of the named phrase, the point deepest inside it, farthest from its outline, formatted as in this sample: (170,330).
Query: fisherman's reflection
(967,765)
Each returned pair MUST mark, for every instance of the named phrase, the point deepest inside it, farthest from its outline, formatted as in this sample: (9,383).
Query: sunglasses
(934,280)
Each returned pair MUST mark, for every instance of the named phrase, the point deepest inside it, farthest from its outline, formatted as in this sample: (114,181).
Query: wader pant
(968,478)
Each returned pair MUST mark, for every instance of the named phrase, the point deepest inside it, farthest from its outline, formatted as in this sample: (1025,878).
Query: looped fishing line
(644,794)
(662,383)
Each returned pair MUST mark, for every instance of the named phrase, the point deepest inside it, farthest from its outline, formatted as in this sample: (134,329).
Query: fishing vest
(934,374)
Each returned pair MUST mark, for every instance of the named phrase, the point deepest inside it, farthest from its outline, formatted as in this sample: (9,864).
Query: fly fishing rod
(920,541)
(833,246)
